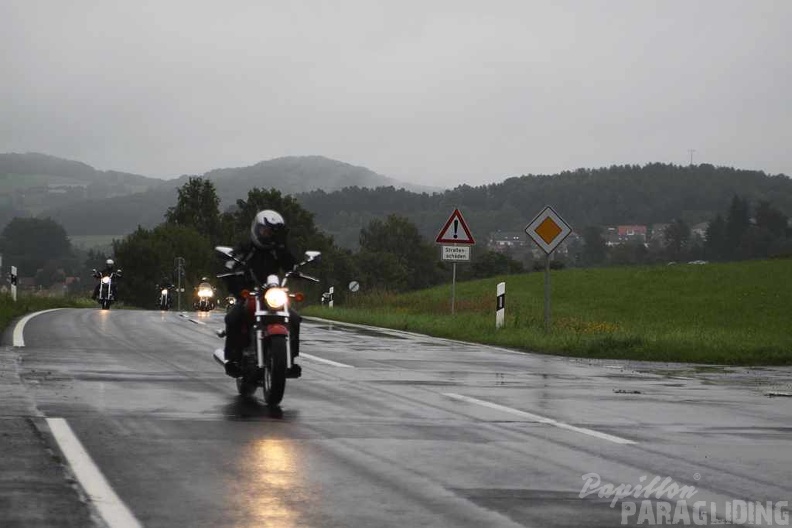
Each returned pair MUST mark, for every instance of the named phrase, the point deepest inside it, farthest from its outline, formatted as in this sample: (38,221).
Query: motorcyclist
(106,272)
(266,254)
(165,283)
(204,286)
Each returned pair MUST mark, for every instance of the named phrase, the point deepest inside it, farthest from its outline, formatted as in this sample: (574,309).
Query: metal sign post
(178,262)
(548,230)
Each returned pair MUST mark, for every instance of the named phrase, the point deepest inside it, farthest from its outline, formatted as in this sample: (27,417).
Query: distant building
(503,241)
(625,234)
(632,233)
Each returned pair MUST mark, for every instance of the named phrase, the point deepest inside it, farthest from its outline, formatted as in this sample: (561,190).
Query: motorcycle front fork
(260,349)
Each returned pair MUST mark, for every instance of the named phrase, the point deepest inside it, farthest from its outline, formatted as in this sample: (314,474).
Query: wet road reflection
(242,408)
(269,485)
(392,432)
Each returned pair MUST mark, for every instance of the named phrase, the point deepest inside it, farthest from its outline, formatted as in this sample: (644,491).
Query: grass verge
(729,314)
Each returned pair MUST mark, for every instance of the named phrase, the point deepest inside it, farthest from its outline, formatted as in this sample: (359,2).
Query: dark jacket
(262,263)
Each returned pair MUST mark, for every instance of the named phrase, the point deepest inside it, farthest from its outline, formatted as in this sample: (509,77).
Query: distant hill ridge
(345,197)
(297,174)
(34,163)
(124,200)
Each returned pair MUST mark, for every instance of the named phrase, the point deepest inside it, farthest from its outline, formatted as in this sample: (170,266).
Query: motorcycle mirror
(227,252)
(312,255)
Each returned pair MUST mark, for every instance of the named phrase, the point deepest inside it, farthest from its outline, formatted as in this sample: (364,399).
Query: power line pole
(179,265)
(691,151)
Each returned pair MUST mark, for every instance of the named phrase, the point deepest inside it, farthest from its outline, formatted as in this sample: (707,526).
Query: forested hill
(629,194)
(296,174)
(290,175)
(32,169)
(33,183)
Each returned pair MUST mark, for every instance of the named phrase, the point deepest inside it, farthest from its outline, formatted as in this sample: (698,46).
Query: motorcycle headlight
(164,292)
(276,298)
(205,293)
(105,280)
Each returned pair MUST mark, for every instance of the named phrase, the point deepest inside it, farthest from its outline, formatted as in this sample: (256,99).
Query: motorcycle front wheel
(275,370)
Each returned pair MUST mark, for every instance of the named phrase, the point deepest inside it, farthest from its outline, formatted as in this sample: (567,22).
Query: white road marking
(110,506)
(325,361)
(540,419)
(19,329)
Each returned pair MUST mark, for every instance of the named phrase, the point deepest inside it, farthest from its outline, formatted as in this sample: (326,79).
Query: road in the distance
(393,429)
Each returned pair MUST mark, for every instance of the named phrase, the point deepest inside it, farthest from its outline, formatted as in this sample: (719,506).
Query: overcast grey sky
(433,92)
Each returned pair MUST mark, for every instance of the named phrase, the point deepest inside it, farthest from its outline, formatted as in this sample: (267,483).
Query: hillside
(345,197)
(629,194)
(33,183)
(297,174)
(290,175)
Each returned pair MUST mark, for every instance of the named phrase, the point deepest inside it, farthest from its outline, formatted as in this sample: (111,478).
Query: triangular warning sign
(455,231)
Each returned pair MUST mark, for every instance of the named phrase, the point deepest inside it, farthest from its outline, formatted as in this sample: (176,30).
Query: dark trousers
(239,333)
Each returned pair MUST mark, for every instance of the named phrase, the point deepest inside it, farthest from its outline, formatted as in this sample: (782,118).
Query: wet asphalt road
(393,429)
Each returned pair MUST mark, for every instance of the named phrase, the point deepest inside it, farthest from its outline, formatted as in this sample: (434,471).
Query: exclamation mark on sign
(456,228)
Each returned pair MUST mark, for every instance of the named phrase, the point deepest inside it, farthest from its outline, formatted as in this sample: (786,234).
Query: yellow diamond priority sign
(548,230)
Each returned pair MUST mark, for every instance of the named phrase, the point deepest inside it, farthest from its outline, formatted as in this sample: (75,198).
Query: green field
(730,314)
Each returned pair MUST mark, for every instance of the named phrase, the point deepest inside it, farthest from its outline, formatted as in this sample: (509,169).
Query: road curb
(37,486)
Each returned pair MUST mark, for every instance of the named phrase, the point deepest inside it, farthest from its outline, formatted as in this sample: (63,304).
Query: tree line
(743,231)
(392,253)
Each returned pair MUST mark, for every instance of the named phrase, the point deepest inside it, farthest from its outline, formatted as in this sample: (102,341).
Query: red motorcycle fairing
(277,329)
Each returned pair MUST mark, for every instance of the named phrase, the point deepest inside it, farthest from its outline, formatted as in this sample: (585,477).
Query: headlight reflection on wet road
(269,485)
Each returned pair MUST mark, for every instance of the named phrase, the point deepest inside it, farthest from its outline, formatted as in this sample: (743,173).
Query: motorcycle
(265,362)
(205,300)
(107,292)
(165,300)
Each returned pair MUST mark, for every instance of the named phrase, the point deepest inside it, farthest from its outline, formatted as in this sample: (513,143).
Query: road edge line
(325,361)
(541,419)
(19,329)
(111,508)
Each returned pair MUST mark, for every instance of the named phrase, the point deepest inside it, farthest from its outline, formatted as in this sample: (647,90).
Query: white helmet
(110,263)
(267,229)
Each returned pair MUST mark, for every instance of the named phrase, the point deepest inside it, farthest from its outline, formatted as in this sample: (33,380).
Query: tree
(738,220)
(31,243)
(145,256)
(491,263)
(399,245)
(198,208)
(771,219)
(677,237)
(715,245)
(595,250)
